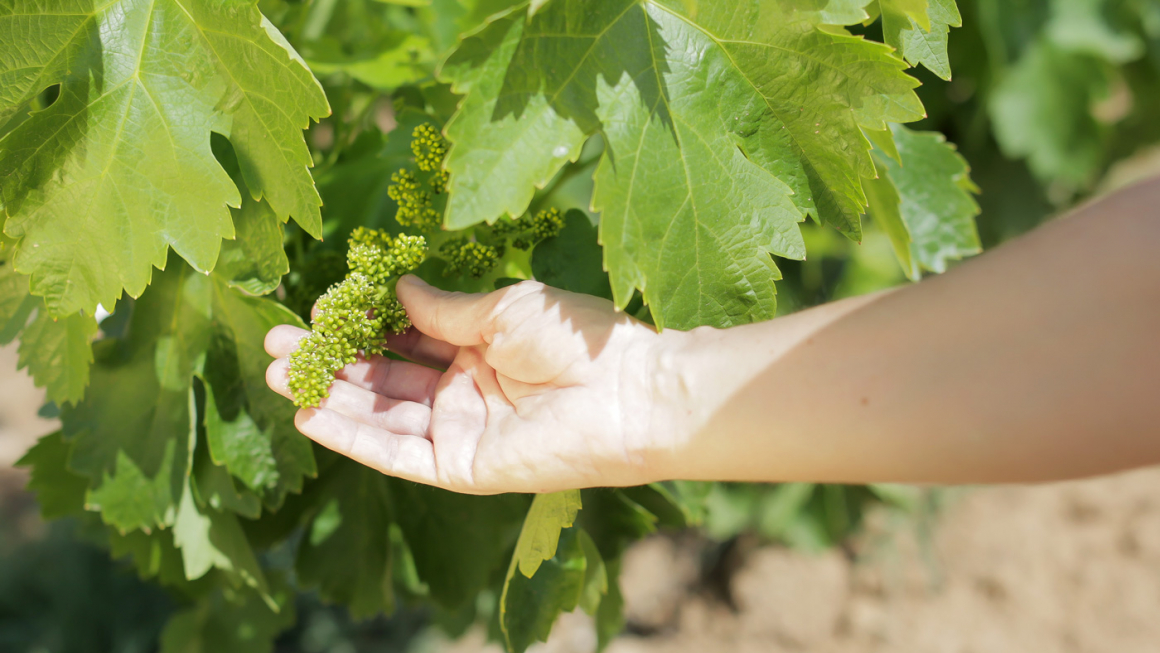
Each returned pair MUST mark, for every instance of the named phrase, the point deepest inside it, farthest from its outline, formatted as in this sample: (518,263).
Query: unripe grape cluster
(355,313)
(545,224)
(415,197)
(470,257)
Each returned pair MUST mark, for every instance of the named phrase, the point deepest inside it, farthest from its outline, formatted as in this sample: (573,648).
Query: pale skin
(1037,361)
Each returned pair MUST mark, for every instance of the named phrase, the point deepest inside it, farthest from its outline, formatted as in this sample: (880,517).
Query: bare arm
(1039,360)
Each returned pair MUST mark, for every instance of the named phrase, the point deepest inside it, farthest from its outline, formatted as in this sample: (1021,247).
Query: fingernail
(413,280)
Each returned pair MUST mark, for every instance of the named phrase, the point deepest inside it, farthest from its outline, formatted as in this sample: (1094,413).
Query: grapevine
(205,216)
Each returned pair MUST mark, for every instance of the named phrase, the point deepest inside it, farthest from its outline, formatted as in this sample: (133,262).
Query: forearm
(1039,360)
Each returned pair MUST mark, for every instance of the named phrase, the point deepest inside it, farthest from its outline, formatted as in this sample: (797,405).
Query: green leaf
(929,193)
(915,10)
(386,65)
(614,521)
(595,585)
(132,429)
(610,615)
(58,352)
(686,496)
(230,622)
(573,260)
(255,260)
(457,540)
(210,539)
(548,516)
(886,208)
(834,12)
(131,440)
(216,488)
(1082,26)
(15,304)
(127,143)
(58,491)
(529,605)
(780,506)
(250,428)
(1041,110)
(154,556)
(907,497)
(675,504)
(919,42)
(712,152)
(346,550)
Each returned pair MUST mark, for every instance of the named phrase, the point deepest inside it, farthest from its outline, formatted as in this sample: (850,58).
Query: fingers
(283,339)
(362,405)
(422,348)
(405,456)
(458,318)
(392,378)
(458,418)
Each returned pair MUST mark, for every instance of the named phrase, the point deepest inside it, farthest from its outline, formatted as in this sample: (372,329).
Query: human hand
(544,390)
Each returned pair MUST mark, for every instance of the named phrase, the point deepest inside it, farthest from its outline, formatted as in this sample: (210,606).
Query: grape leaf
(457,540)
(255,259)
(921,43)
(250,429)
(15,304)
(216,488)
(131,436)
(230,622)
(924,202)
(529,605)
(388,64)
(610,617)
(1041,110)
(211,539)
(613,520)
(835,12)
(346,551)
(155,556)
(132,430)
(126,146)
(572,260)
(58,352)
(549,514)
(58,491)
(1082,26)
(722,126)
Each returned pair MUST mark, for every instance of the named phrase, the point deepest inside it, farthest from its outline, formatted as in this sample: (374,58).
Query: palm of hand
(541,392)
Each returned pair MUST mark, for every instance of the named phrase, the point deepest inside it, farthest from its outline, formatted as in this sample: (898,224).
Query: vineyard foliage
(179,176)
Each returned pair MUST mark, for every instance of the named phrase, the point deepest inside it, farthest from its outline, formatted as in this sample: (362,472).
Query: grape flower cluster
(545,224)
(416,198)
(471,257)
(355,313)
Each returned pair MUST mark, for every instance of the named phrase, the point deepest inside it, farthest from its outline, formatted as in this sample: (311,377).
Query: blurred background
(1052,102)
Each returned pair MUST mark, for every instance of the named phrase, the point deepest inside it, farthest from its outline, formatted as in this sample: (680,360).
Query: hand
(544,390)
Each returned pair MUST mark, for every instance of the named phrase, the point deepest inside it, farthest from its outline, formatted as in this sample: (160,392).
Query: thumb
(461,319)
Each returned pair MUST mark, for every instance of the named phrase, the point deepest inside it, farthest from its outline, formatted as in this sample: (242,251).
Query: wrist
(679,406)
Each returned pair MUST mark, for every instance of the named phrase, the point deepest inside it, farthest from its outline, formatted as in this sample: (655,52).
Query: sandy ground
(19,401)
(1069,568)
